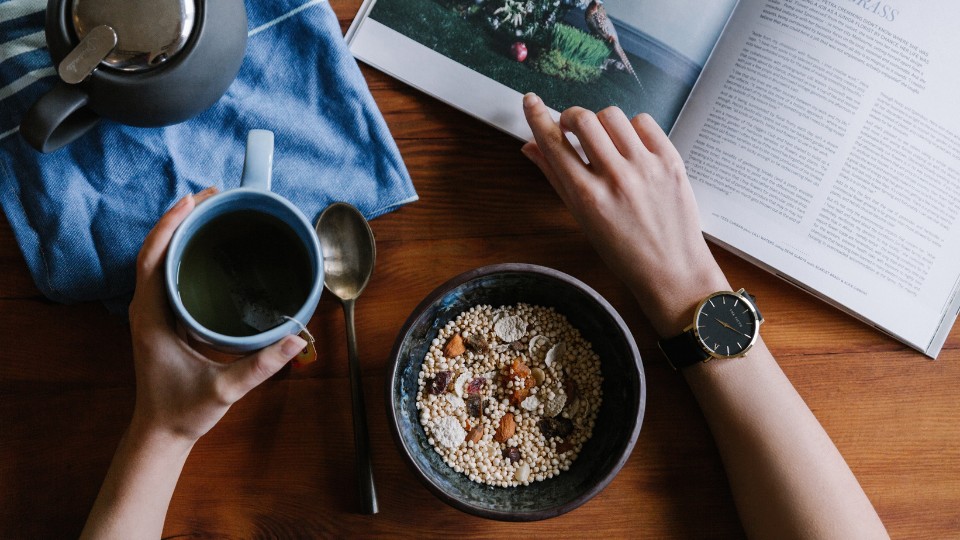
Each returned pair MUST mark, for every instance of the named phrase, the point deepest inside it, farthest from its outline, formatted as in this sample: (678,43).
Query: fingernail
(181,203)
(530,99)
(292,346)
(527,151)
(209,191)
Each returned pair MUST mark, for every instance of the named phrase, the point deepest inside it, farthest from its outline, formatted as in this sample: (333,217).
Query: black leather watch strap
(683,351)
(754,302)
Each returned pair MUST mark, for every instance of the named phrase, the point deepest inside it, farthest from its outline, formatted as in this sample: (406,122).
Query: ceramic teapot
(143,63)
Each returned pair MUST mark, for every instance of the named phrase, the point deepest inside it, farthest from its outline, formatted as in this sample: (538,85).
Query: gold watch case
(740,296)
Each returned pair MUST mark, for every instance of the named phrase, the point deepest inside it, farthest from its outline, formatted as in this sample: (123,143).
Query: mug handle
(57,118)
(258,161)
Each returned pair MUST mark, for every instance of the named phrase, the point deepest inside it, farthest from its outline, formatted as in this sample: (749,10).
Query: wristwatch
(726,324)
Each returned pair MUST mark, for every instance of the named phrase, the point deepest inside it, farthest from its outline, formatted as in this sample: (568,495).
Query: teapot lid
(148,32)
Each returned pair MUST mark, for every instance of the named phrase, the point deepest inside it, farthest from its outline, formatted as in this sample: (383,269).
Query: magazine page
(481,56)
(823,140)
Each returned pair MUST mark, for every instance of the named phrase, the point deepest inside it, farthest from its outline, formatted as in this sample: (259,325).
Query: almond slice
(454,347)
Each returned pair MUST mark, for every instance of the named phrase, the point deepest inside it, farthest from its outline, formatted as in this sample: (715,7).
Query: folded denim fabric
(80,214)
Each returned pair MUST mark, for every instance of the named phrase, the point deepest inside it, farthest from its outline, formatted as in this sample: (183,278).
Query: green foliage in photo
(578,46)
(555,64)
(574,55)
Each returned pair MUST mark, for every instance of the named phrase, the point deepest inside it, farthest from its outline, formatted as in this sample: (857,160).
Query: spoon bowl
(349,250)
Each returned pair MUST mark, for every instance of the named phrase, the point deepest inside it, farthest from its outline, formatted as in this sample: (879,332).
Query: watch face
(727,324)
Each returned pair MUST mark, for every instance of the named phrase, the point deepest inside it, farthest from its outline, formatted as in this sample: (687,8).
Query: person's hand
(634,202)
(180,392)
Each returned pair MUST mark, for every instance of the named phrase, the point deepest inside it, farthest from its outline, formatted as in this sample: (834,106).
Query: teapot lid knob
(149,32)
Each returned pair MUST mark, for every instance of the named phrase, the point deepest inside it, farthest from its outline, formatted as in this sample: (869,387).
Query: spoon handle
(361,437)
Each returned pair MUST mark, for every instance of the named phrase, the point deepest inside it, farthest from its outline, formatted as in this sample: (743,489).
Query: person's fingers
(155,244)
(653,136)
(553,144)
(621,132)
(148,308)
(205,194)
(596,143)
(533,153)
(246,373)
(148,301)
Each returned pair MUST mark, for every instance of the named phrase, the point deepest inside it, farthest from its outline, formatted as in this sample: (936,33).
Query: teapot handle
(57,118)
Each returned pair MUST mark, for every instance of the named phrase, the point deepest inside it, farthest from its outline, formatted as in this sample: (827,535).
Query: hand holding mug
(180,391)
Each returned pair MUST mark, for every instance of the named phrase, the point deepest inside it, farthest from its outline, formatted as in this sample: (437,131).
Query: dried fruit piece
(555,427)
(517,346)
(570,388)
(519,374)
(476,385)
(512,453)
(475,435)
(454,347)
(564,447)
(461,380)
(538,375)
(510,329)
(438,384)
(476,343)
(474,406)
(508,426)
(518,395)
(519,369)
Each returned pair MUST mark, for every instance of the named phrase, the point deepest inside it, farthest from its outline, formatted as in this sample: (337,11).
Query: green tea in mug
(242,272)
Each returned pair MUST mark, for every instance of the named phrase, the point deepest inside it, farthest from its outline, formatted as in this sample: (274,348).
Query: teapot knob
(87,55)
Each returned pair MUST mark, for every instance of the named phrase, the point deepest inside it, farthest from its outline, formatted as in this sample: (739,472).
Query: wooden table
(281,463)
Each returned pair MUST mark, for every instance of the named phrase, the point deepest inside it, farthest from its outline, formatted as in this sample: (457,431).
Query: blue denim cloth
(80,214)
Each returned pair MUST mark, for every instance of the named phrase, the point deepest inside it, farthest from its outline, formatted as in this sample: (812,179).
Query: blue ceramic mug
(251,204)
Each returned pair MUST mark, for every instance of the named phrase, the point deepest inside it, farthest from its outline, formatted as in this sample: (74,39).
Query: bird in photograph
(600,25)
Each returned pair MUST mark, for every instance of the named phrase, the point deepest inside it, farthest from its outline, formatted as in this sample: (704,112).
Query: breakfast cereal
(509,395)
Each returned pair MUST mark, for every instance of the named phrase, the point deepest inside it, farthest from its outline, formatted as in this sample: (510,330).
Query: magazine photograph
(640,56)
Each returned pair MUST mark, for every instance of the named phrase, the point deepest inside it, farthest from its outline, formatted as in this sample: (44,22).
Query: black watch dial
(727,325)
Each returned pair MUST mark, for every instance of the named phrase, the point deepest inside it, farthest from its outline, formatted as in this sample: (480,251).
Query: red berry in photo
(519,51)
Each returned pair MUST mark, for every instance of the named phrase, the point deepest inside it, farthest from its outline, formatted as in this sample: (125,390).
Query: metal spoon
(349,253)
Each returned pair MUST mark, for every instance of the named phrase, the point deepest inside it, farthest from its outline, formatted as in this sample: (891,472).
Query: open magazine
(822,137)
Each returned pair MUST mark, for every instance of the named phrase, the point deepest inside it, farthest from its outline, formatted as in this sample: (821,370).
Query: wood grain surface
(280,464)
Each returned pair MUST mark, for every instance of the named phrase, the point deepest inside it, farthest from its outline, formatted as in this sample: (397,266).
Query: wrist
(144,433)
(669,304)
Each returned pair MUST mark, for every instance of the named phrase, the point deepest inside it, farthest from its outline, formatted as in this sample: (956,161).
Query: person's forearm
(135,495)
(787,477)
(637,207)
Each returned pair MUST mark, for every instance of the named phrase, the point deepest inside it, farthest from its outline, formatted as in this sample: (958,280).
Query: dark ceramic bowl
(618,421)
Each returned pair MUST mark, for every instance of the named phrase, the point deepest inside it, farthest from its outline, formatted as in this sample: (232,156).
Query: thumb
(245,374)
(534,154)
